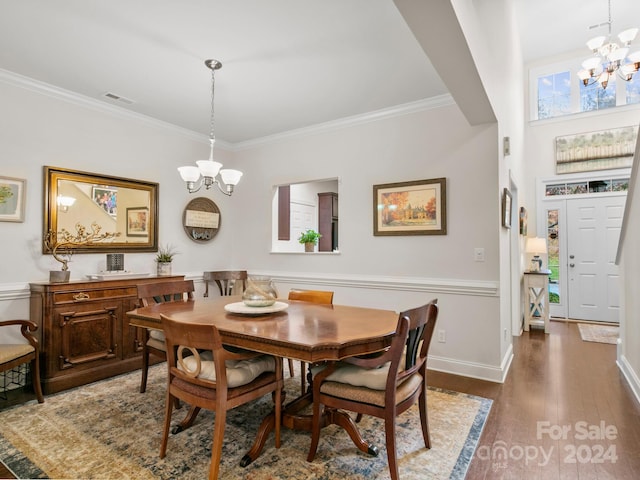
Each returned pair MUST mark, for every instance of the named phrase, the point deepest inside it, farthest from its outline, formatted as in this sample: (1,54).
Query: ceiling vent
(118,98)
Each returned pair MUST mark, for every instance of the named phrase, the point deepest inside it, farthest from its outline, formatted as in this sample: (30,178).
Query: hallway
(565,411)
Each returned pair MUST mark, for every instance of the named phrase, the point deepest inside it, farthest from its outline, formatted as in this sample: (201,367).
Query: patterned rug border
(23,468)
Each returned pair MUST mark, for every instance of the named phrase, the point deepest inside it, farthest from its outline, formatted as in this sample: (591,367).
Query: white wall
(492,37)
(389,272)
(629,259)
(38,129)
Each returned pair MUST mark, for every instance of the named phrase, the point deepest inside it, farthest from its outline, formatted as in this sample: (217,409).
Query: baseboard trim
(631,376)
(472,369)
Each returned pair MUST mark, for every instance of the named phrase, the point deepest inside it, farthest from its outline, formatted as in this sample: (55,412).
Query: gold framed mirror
(126,207)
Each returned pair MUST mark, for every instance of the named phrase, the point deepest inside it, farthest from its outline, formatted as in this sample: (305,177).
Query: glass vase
(260,292)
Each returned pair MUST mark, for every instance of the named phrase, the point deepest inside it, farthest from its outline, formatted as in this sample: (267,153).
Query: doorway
(582,228)
(592,242)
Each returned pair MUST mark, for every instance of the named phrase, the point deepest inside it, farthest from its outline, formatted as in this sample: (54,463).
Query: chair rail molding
(408,284)
(14,291)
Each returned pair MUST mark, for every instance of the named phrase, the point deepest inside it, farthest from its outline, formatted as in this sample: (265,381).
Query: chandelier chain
(212,135)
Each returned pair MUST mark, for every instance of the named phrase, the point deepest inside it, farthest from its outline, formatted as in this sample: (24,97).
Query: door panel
(593,232)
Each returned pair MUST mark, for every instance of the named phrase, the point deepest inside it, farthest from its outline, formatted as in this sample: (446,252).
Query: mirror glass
(298,207)
(117,205)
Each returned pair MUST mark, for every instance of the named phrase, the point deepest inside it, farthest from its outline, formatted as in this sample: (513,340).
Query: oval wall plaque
(201,219)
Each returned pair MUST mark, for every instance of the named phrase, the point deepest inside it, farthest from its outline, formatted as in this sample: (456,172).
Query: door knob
(572,256)
(572,265)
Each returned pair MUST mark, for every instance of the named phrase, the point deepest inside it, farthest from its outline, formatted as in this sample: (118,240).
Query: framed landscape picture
(12,197)
(137,222)
(410,208)
(591,151)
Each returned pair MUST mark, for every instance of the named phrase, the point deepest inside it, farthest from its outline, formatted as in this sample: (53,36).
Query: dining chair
(15,354)
(227,281)
(383,385)
(205,374)
(148,294)
(322,297)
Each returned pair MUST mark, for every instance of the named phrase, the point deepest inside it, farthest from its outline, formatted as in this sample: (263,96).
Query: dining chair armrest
(26,329)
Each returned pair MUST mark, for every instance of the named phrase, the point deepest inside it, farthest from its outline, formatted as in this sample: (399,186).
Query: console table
(536,299)
(83,331)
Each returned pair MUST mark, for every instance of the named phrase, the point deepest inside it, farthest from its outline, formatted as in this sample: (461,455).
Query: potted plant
(164,258)
(309,239)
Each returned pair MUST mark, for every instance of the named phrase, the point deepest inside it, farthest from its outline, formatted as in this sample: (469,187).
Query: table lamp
(537,246)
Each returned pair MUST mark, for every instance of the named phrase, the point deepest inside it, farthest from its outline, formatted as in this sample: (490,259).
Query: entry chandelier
(207,170)
(610,58)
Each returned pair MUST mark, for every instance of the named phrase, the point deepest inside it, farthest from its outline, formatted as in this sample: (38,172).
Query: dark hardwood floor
(564,412)
(561,396)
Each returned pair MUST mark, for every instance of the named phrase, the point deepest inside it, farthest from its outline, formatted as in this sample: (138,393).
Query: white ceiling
(287,64)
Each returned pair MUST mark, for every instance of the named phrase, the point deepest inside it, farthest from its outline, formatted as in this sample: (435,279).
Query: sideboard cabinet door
(88,333)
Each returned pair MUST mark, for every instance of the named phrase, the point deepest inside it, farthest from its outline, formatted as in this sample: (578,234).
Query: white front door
(593,226)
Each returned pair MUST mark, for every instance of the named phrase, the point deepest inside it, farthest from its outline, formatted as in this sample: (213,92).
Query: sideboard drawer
(85,295)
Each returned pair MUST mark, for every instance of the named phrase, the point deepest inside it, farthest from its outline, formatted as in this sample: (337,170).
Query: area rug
(599,333)
(108,430)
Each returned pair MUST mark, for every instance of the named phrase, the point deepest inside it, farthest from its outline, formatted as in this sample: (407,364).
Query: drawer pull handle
(81,296)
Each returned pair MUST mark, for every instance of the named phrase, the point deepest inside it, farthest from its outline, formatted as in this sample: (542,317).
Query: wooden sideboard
(84,332)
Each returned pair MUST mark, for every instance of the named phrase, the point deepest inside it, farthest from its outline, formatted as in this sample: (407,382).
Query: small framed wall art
(138,222)
(12,198)
(523,221)
(506,208)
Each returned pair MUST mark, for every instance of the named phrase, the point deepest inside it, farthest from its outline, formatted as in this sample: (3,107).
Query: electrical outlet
(441,336)
(478,254)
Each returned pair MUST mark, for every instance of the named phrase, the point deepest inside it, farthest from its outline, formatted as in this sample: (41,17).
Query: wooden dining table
(302,331)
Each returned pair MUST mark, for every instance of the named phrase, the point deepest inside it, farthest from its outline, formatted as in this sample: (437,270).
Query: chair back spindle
(227,281)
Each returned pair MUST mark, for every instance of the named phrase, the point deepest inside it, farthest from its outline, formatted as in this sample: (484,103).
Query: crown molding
(382,114)
(27,83)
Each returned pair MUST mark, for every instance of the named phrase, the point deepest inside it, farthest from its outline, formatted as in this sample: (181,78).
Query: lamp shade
(536,245)
(618,54)
(209,168)
(628,35)
(596,42)
(189,174)
(230,176)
